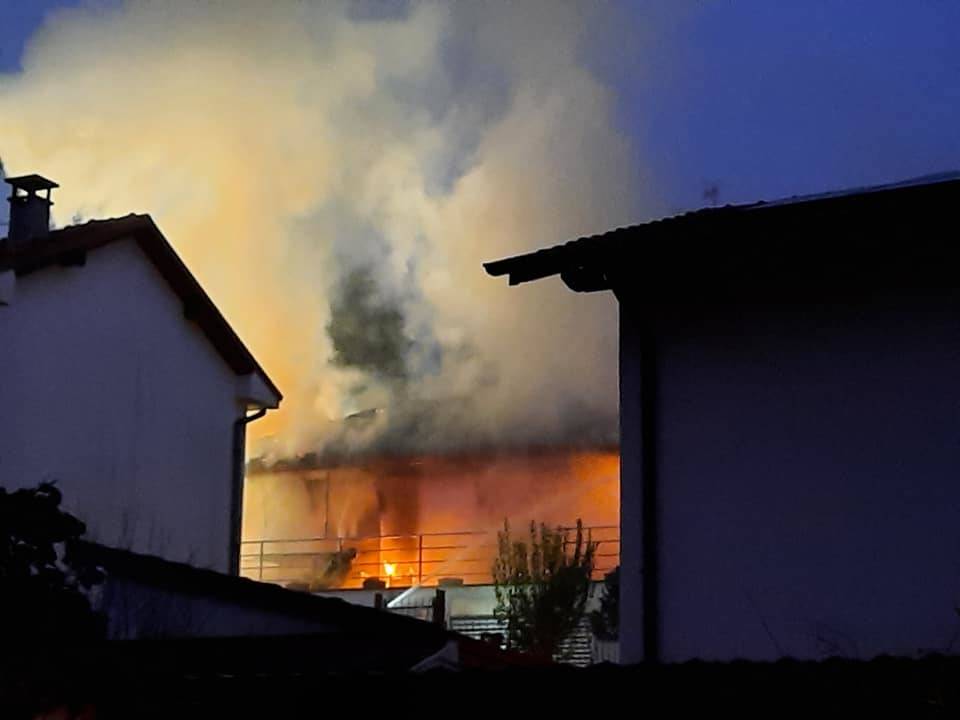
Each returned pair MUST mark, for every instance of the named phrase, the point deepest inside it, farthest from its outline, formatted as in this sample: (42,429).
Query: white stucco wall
(809,462)
(106,388)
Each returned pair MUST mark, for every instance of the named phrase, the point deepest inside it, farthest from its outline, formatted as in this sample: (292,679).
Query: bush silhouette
(43,589)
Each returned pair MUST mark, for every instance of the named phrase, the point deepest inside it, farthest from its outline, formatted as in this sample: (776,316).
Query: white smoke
(286,147)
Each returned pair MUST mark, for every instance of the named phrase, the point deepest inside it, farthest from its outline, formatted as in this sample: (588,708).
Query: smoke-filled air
(334,175)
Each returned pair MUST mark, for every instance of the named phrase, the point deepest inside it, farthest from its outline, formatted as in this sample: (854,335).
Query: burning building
(356,169)
(419,519)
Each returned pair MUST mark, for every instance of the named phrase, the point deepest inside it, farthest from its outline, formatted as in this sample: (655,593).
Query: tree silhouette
(542,586)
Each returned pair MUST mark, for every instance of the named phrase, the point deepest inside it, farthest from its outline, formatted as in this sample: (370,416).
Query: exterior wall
(434,494)
(808,463)
(109,391)
(442,511)
(631,490)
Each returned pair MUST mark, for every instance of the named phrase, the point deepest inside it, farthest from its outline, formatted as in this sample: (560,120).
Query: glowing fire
(389,569)
(415,517)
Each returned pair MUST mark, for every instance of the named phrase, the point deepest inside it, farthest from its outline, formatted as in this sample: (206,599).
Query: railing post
(420,559)
(438,608)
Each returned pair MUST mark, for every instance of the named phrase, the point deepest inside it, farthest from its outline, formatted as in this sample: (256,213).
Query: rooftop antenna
(711,194)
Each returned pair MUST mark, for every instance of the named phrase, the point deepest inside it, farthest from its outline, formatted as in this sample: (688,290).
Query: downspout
(236,486)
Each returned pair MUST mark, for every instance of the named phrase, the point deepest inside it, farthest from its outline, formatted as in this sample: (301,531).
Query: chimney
(29,211)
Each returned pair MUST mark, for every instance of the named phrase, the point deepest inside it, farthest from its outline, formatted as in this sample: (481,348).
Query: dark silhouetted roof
(180,577)
(70,245)
(892,234)
(369,628)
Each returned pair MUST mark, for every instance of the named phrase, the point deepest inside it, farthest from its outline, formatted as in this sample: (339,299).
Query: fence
(577,649)
(397,560)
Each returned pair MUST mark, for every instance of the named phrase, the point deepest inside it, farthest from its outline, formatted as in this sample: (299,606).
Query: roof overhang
(70,245)
(255,393)
(872,237)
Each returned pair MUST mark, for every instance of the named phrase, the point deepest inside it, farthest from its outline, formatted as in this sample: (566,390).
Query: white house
(790,423)
(121,381)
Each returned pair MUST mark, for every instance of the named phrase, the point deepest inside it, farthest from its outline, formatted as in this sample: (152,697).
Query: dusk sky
(763,99)
(414,141)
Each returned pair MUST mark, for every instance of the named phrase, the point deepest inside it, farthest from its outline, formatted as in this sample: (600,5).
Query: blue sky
(769,99)
(764,99)
(19,19)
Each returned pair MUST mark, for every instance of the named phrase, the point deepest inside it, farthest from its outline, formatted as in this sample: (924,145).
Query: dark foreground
(250,678)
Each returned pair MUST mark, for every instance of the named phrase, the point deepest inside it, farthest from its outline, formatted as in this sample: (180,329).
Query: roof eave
(257,393)
(618,259)
(201,307)
(198,307)
(582,267)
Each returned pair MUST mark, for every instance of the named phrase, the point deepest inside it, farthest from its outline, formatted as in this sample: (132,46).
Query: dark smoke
(367,331)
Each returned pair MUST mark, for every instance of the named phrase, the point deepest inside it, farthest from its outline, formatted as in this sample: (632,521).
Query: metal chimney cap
(31,183)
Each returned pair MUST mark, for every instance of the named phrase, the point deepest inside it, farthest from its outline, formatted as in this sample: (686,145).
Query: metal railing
(398,560)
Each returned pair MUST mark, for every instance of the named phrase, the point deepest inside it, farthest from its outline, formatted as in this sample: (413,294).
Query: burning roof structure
(419,518)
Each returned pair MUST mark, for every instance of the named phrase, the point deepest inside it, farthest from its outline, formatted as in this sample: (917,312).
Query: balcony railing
(398,560)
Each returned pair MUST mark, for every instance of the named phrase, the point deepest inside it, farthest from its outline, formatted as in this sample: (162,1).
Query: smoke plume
(335,175)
